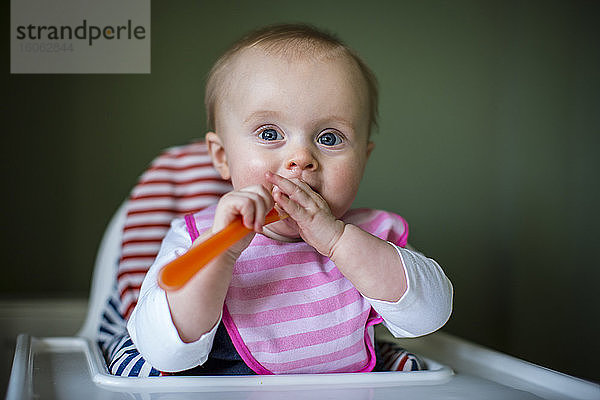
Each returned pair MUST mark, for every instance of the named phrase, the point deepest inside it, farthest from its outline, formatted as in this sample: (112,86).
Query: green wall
(488,146)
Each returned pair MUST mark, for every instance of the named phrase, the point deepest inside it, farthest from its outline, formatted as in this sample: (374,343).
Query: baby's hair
(294,41)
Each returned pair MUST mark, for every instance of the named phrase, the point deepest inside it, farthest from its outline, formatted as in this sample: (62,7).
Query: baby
(290,111)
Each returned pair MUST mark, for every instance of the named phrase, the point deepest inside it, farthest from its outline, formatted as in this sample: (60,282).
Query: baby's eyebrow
(261,115)
(336,122)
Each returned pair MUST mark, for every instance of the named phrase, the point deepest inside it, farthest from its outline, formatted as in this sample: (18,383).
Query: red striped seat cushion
(179,181)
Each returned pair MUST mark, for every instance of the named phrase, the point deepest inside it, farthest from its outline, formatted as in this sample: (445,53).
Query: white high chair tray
(73,368)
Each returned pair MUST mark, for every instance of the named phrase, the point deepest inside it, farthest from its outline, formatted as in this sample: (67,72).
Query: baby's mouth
(314,189)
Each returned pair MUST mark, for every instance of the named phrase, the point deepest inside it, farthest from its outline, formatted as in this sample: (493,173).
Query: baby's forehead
(251,60)
(280,69)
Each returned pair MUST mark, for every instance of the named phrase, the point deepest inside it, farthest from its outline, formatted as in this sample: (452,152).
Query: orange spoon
(179,271)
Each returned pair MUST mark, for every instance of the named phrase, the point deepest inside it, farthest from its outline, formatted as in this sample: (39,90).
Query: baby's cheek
(251,173)
(342,191)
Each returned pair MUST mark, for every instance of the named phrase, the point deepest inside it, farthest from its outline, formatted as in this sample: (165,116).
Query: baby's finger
(289,206)
(263,203)
(235,205)
(300,192)
(252,209)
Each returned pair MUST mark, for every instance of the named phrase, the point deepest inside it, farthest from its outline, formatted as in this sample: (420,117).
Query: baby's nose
(301,160)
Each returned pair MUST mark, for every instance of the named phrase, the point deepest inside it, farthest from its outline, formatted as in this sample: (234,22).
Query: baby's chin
(285,230)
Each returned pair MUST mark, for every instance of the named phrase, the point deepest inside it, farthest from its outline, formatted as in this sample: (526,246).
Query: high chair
(74,367)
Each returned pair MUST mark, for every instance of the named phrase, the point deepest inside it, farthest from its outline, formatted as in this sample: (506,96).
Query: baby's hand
(252,204)
(317,225)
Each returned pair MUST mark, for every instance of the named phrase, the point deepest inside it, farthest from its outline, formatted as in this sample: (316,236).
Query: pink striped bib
(290,310)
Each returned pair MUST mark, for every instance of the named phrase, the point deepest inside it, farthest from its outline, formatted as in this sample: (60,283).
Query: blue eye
(329,139)
(269,134)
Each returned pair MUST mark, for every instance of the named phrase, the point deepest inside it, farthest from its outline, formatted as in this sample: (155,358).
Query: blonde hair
(295,41)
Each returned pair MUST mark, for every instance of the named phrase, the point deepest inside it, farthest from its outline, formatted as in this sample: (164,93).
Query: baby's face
(305,120)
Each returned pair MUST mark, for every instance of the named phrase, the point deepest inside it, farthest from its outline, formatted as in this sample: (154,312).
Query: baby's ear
(370,147)
(217,154)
